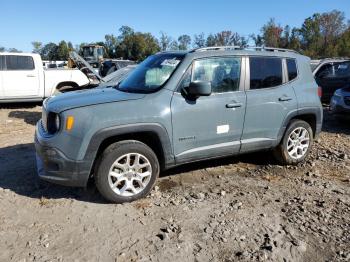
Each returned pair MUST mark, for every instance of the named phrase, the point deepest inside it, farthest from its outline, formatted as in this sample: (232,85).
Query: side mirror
(197,89)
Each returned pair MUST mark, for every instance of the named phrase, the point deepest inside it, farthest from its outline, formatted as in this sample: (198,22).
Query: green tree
(199,40)
(343,45)
(174,45)
(125,31)
(62,51)
(332,26)
(272,34)
(227,38)
(111,43)
(14,50)
(136,45)
(211,41)
(37,46)
(258,40)
(70,46)
(184,42)
(311,38)
(49,52)
(164,41)
(294,40)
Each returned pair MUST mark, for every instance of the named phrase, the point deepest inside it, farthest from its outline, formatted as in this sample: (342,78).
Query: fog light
(50,152)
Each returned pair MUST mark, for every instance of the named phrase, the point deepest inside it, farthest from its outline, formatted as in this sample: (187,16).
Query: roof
(18,53)
(237,50)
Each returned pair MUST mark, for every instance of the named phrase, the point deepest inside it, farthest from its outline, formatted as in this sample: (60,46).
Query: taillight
(319,92)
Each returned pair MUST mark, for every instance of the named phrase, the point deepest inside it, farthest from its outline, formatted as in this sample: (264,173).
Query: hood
(88,97)
(345,90)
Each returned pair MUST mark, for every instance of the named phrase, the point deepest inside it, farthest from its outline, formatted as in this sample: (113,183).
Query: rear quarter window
(265,72)
(292,69)
(14,62)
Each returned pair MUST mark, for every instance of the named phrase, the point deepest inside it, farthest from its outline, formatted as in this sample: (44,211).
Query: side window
(292,69)
(2,62)
(265,72)
(223,73)
(14,62)
(342,69)
(326,70)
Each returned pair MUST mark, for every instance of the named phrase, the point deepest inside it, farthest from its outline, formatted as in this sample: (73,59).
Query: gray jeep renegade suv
(175,108)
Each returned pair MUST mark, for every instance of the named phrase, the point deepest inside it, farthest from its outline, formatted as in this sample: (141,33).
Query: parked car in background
(340,102)
(54,64)
(332,74)
(110,80)
(95,56)
(117,76)
(314,64)
(176,108)
(23,78)
(109,66)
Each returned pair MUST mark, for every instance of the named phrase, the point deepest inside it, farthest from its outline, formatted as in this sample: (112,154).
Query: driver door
(210,126)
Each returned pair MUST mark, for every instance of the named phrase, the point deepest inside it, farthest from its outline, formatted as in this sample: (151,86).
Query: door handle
(284,98)
(30,75)
(234,105)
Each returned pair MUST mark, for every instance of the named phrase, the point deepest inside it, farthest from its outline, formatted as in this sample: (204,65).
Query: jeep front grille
(44,119)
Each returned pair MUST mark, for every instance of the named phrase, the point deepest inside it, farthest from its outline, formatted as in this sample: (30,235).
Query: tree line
(321,35)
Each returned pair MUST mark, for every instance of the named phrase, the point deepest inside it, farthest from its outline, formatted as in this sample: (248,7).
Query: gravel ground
(235,209)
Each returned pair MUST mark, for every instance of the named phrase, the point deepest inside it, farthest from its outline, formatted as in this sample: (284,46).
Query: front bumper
(53,166)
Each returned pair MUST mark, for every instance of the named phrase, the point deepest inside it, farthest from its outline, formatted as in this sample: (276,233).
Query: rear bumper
(53,166)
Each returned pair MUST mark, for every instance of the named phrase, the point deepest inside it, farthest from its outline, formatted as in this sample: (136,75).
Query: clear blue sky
(87,21)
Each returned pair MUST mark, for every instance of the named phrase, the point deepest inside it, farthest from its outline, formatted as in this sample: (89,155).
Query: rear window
(265,72)
(292,69)
(14,62)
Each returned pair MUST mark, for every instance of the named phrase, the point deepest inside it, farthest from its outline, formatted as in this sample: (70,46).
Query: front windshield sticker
(170,62)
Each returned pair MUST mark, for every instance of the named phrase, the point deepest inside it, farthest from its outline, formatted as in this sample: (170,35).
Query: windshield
(313,67)
(100,51)
(151,74)
(88,51)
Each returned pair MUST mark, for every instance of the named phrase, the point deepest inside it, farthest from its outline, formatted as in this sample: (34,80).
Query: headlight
(53,123)
(337,95)
(57,122)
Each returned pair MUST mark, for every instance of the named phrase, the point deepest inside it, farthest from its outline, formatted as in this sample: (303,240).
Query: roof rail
(215,48)
(271,49)
(257,48)
(335,58)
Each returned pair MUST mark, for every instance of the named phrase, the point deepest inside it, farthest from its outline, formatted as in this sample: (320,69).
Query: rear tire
(127,171)
(296,143)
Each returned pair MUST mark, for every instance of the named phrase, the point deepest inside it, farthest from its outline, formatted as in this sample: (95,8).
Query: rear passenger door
(270,97)
(20,77)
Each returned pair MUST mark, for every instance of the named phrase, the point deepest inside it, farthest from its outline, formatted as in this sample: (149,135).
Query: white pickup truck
(23,78)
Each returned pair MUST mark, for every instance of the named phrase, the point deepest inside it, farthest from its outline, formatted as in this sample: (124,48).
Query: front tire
(127,171)
(296,143)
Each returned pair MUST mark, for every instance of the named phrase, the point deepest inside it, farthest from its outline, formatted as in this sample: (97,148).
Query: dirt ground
(235,209)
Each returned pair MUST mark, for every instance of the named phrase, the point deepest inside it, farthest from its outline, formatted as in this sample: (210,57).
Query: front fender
(103,134)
